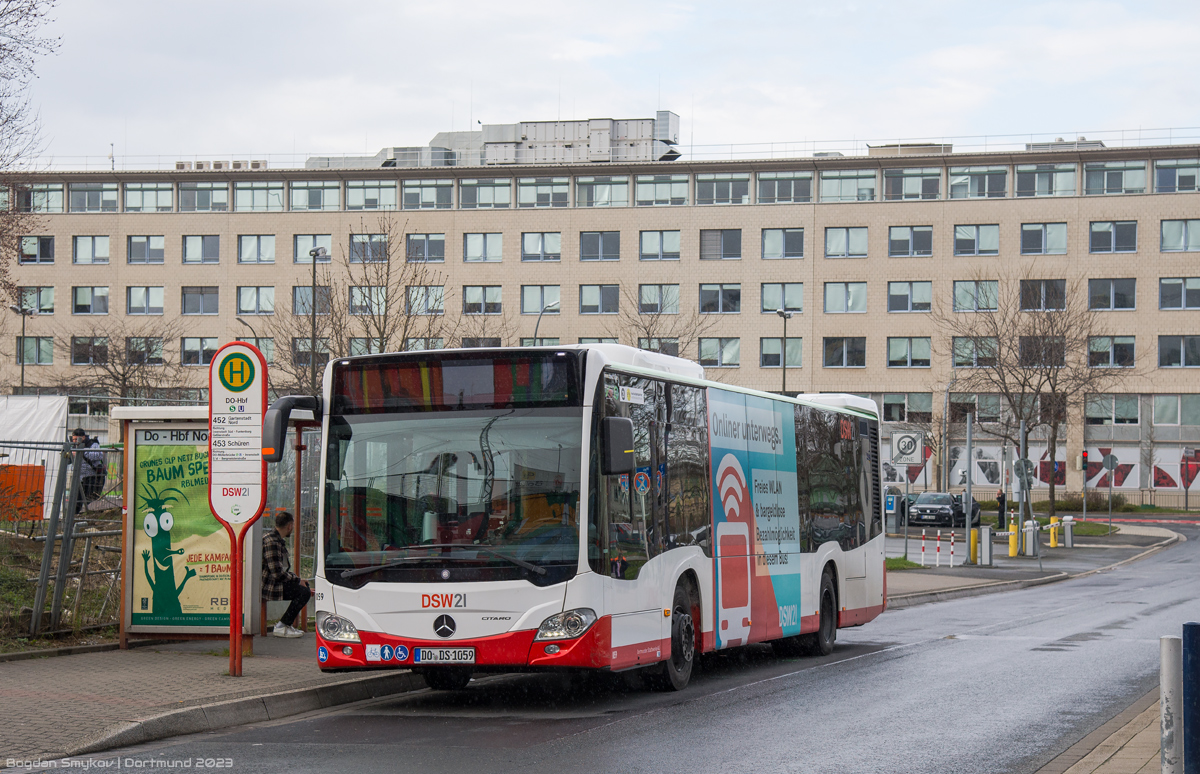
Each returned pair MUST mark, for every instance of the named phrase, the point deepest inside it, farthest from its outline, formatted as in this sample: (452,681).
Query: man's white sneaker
(283,630)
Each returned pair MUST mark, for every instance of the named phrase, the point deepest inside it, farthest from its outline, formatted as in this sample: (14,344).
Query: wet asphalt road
(1001,683)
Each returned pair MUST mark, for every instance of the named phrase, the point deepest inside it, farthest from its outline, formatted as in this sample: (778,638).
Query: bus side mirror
(618,446)
(275,423)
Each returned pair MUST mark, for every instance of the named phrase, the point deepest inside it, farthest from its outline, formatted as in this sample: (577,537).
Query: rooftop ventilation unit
(182,165)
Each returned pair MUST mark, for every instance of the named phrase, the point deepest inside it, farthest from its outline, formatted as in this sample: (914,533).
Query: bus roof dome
(642,358)
(842,400)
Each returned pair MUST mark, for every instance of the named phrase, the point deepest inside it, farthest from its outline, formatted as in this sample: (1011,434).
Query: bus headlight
(566,625)
(335,628)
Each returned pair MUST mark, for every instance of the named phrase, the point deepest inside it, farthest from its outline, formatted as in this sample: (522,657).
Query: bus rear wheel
(447,678)
(674,673)
(820,642)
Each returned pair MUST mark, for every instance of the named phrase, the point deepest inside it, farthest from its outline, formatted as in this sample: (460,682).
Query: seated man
(278,580)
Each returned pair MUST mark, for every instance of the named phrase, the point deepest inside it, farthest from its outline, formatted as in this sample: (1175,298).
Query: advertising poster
(755,516)
(180,563)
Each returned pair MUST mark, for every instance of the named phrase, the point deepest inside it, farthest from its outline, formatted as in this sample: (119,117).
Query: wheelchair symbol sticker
(402,653)
(322,654)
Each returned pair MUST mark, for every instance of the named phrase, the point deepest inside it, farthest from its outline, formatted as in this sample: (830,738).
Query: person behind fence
(278,580)
(93,468)
(1001,503)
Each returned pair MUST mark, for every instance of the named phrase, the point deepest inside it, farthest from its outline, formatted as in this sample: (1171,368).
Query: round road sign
(1110,462)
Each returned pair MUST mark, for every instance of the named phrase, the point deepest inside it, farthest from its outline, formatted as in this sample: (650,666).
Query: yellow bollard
(1014,537)
(1053,532)
(974,546)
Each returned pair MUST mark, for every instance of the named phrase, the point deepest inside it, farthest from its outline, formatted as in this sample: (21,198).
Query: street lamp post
(25,313)
(251,327)
(945,433)
(783,347)
(314,254)
(539,320)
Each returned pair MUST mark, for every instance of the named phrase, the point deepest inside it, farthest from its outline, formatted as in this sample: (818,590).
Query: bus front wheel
(674,673)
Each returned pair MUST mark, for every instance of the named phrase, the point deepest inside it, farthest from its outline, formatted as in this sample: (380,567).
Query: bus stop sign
(237,396)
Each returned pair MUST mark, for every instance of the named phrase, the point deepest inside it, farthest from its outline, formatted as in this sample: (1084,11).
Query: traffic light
(1085,461)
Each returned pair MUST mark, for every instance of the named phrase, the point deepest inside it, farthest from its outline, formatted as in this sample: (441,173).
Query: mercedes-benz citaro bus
(590,507)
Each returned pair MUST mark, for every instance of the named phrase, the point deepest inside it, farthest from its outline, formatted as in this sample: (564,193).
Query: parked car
(941,509)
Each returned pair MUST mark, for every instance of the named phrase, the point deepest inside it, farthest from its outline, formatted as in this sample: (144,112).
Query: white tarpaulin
(33,418)
(37,421)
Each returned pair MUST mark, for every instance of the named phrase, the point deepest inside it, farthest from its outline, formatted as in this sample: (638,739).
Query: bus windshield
(487,494)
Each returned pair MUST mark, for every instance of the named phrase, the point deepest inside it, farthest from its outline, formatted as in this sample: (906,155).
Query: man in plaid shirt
(278,580)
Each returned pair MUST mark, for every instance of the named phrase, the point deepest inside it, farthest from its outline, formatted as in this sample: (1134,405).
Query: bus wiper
(404,560)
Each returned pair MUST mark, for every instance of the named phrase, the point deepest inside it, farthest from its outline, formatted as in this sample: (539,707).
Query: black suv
(941,509)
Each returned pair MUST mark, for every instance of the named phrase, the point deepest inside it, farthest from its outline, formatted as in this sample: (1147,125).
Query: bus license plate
(445,656)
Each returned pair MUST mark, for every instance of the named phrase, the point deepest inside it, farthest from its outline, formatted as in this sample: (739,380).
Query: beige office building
(859,249)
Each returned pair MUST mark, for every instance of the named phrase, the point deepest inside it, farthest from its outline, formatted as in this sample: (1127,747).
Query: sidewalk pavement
(88,702)
(1127,744)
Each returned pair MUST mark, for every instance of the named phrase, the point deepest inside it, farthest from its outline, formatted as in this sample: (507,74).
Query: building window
(141,299)
(728,188)
(978,182)
(201,300)
(1114,236)
(788,296)
(599,245)
(597,340)
(602,191)
(986,408)
(720,353)
(848,185)
(779,243)
(1111,410)
(304,244)
(89,300)
(483,248)
(35,350)
(540,341)
(91,249)
(912,183)
(1177,409)
(40,197)
(541,246)
(256,299)
(426,194)
(201,249)
(93,197)
(720,299)
(368,248)
(1179,293)
(482,299)
(908,407)
(303,355)
(845,297)
(845,352)
(1114,177)
(771,352)
(542,191)
(149,197)
(908,352)
(485,194)
(1045,180)
(665,345)
(39,299)
(846,242)
(1176,175)
(426,299)
(659,246)
(204,197)
(37,249)
(480,342)
(423,343)
(316,196)
(910,296)
(658,299)
(599,299)
(144,350)
(904,241)
(90,350)
(660,190)
(784,187)
(368,300)
(536,299)
(1180,236)
(976,295)
(265,344)
(1111,351)
(1112,294)
(977,352)
(1043,295)
(1043,238)
(302,299)
(258,196)
(256,248)
(1179,351)
(977,240)
(720,244)
(425,248)
(146,249)
(370,195)
(1041,351)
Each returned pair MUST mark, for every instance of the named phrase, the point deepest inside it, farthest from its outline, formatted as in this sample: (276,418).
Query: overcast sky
(252,78)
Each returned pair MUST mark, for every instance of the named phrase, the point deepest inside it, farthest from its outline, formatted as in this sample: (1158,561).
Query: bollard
(922,548)
(1014,537)
(1068,531)
(985,546)
(951,548)
(1170,690)
(1191,698)
(937,554)
(974,552)
(1054,532)
(1031,540)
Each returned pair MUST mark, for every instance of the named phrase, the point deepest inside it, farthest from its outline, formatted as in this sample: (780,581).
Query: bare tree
(486,329)
(128,359)
(658,324)
(1037,345)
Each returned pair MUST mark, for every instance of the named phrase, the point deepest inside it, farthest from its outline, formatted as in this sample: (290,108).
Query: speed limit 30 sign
(908,448)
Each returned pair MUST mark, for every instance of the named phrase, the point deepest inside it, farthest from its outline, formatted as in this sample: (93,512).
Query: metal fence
(60,537)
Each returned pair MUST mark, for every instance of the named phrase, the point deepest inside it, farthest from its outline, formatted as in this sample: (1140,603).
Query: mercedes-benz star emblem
(443,626)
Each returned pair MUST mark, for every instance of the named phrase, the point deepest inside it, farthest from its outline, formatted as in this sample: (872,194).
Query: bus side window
(688,514)
(804,464)
(620,526)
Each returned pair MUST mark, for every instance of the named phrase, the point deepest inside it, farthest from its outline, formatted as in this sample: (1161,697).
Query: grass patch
(899,563)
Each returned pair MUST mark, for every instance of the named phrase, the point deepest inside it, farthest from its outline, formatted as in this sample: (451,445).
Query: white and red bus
(583,507)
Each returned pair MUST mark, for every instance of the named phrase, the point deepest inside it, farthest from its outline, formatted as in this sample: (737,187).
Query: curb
(251,709)
(74,650)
